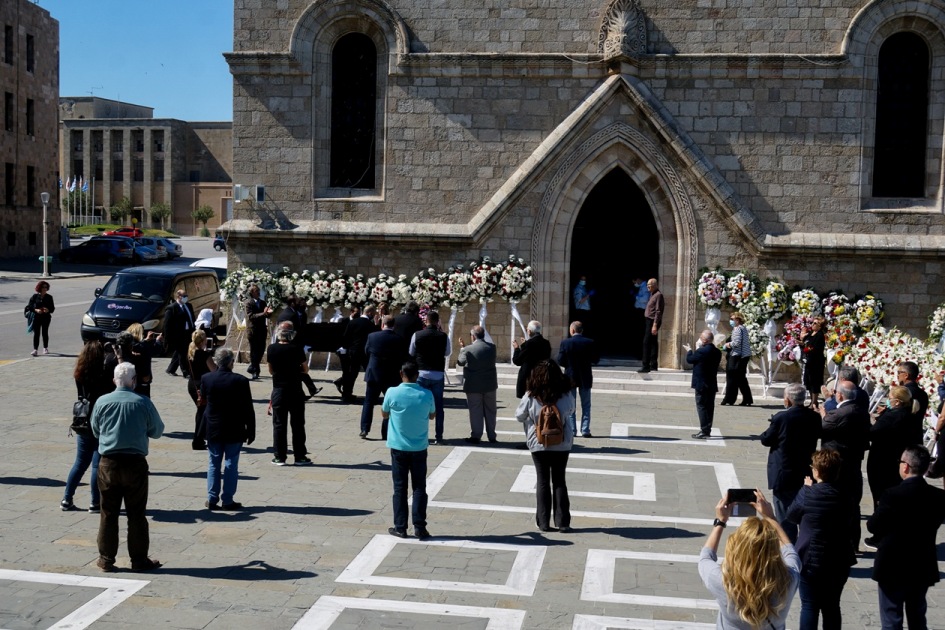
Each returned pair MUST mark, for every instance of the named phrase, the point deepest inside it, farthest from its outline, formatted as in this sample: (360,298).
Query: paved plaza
(311,549)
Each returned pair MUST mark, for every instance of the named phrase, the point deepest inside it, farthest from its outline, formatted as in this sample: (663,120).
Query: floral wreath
(805,303)
(458,287)
(485,278)
(515,281)
(711,288)
(740,288)
(427,287)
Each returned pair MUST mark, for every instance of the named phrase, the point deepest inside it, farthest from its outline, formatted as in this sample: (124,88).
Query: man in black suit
(577,355)
(295,313)
(257,317)
(178,328)
(356,334)
(230,421)
(905,525)
(529,354)
(908,374)
(386,352)
(705,361)
(408,322)
(792,437)
(846,429)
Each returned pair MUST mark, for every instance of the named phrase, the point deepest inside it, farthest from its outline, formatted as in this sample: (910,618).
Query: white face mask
(183,300)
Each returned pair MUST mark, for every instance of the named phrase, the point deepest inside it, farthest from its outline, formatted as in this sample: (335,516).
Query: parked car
(217,264)
(155,244)
(142,253)
(99,250)
(219,244)
(141,294)
(174,250)
(133,232)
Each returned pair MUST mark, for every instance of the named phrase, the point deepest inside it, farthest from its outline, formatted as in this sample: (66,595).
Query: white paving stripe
(644,484)
(599,574)
(621,431)
(521,581)
(327,609)
(115,592)
(593,622)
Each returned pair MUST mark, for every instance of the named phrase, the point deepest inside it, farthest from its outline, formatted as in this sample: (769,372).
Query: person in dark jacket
(257,319)
(356,333)
(230,421)
(199,362)
(408,322)
(908,373)
(815,358)
(386,352)
(42,307)
(705,380)
(847,430)
(889,436)
(179,325)
(577,355)
(430,347)
(905,525)
(792,439)
(295,312)
(846,373)
(529,354)
(823,543)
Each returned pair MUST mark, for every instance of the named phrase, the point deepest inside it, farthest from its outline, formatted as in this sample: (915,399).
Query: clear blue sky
(165,54)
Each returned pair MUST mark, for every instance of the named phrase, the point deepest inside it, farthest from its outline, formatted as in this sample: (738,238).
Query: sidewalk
(31,268)
(311,548)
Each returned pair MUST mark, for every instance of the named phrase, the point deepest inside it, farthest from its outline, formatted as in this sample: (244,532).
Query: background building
(121,150)
(29,80)
(606,138)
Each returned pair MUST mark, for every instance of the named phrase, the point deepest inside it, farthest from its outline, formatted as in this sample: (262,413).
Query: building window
(99,169)
(30,54)
(8,105)
(194,177)
(158,139)
(157,170)
(30,117)
(118,170)
(32,238)
(30,185)
(78,169)
(118,142)
(11,239)
(138,168)
(9,184)
(353,112)
(8,44)
(902,103)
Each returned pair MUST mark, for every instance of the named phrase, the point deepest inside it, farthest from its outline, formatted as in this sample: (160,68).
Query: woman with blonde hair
(756,582)
(891,433)
(200,361)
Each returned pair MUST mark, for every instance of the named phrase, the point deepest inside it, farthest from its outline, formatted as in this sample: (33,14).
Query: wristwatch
(718,523)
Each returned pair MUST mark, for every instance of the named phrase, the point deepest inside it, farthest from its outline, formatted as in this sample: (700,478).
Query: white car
(217,263)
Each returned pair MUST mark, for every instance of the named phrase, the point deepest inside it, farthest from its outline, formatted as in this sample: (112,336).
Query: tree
(77,204)
(160,211)
(203,214)
(121,210)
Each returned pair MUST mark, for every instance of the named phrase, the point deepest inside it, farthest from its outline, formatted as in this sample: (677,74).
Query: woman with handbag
(92,380)
(200,360)
(41,305)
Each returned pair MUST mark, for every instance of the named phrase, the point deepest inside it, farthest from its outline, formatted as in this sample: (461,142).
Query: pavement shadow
(609,450)
(197,516)
(254,571)
(305,510)
(179,435)
(35,481)
(642,533)
(375,465)
(535,538)
(195,475)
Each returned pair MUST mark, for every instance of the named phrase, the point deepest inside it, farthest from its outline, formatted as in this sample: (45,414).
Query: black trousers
(851,483)
(179,358)
(257,346)
(41,326)
(350,375)
(651,346)
(288,409)
(736,380)
(552,488)
(705,407)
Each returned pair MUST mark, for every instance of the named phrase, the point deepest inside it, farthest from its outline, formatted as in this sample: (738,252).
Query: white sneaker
(45,350)
(33,353)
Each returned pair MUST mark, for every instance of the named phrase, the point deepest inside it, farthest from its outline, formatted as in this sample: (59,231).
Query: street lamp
(45,197)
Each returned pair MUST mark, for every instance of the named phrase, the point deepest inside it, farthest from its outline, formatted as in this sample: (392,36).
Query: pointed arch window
(353,112)
(902,102)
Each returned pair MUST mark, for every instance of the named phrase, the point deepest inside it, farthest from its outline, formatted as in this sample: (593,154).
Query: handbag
(81,415)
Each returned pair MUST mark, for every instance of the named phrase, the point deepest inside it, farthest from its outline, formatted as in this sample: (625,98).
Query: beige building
(606,138)
(29,80)
(123,151)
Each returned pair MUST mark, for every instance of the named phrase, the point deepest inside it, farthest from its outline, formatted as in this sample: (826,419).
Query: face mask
(183,300)
(582,282)
(731,323)
(888,402)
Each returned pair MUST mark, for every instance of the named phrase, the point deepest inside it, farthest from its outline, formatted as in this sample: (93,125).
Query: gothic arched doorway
(615,240)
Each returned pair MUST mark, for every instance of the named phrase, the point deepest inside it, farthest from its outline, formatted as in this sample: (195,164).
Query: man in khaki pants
(480,382)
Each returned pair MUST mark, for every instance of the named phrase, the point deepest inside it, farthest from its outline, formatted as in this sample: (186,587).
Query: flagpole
(93,198)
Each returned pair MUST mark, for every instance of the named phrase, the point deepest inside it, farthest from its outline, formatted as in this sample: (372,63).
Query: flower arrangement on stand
(757,337)
(937,324)
(458,287)
(485,278)
(740,289)
(358,291)
(235,286)
(321,289)
(840,337)
(427,289)
(515,280)
(805,303)
(339,290)
(788,344)
(774,300)
(869,312)
(400,291)
(379,289)
(711,288)
(835,305)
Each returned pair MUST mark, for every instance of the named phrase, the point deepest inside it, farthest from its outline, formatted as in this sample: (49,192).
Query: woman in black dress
(200,357)
(42,307)
(815,358)
(892,432)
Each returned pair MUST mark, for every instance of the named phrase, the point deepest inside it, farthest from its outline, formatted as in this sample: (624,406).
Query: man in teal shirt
(123,421)
(409,409)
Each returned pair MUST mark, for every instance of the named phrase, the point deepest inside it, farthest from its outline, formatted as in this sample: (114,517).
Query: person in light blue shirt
(408,408)
(123,421)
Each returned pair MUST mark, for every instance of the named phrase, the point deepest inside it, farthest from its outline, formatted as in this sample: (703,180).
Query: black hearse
(140,295)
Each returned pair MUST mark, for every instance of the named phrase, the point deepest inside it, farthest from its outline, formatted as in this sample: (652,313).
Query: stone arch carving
(860,41)
(618,145)
(334,17)
(622,30)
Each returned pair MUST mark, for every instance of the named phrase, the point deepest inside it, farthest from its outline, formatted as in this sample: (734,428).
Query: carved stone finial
(623,30)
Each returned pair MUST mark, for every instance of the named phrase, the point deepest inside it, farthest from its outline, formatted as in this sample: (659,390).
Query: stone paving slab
(278,563)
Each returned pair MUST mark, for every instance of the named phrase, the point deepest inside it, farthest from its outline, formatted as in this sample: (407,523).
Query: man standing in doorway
(654,320)
(582,302)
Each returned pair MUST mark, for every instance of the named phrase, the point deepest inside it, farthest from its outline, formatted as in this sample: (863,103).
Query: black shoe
(302,461)
(654,369)
(363,435)
(472,440)
(421,533)
(314,392)
(493,440)
(588,434)
(438,442)
(170,373)
(547,529)
(67,506)
(700,436)
(337,385)
(399,533)
(744,404)
(213,507)
(147,565)
(231,507)
(565,530)
(723,403)
(198,446)
(309,397)
(643,371)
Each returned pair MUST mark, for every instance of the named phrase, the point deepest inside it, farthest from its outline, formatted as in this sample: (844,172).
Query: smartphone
(209,344)
(741,499)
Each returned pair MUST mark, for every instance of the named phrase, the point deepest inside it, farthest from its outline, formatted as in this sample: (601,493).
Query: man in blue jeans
(429,348)
(577,355)
(408,409)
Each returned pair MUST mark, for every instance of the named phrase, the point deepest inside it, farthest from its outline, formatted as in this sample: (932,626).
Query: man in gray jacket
(480,383)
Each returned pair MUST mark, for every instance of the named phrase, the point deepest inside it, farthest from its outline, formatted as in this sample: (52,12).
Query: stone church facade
(614,138)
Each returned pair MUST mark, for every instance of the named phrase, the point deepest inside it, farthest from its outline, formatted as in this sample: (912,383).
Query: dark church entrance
(615,240)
